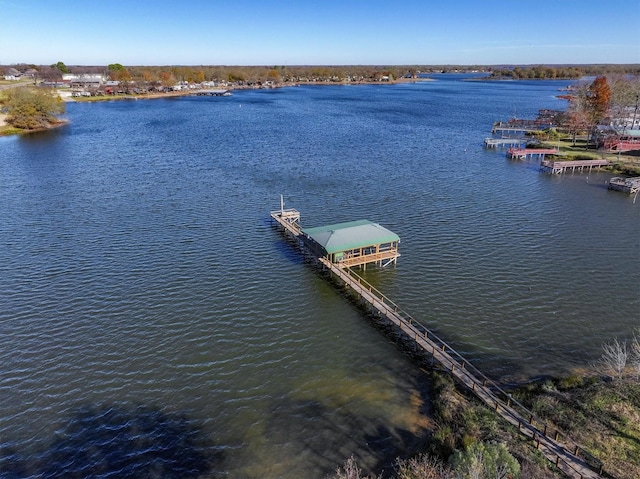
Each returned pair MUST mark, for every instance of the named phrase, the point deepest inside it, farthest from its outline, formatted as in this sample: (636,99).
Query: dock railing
(380,257)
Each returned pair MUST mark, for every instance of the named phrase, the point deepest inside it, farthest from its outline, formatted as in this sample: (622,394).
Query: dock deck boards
(559,167)
(626,185)
(523,153)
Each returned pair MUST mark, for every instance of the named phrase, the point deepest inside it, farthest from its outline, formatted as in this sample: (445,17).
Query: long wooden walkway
(568,456)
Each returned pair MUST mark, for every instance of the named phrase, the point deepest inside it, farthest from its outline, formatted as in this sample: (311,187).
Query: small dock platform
(526,153)
(504,142)
(289,219)
(560,167)
(626,185)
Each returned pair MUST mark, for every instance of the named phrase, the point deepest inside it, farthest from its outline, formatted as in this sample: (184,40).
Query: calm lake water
(152,321)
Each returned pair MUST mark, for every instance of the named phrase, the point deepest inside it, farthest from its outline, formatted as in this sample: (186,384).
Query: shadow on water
(43,136)
(597,183)
(287,251)
(499,369)
(328,436)
(119,442)
(285,246)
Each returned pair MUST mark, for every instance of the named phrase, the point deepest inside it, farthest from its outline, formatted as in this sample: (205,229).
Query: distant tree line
(168,75)
(607,100)
(562,71)
(538,72)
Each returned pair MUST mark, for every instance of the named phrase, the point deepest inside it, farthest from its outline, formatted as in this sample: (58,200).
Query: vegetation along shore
(599,408)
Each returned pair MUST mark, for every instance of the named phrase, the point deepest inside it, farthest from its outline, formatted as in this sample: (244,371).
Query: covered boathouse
(353,243)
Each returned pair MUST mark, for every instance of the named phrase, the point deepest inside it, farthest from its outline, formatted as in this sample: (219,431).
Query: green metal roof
(351,235)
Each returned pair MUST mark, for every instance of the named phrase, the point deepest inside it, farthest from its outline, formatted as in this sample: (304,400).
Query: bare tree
(635,353)
(485,461)
(614,358)
(576,121)
(422,467)
(350,471)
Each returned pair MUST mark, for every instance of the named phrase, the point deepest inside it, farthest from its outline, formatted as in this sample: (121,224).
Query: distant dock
(626,185)
(212,92)
(504,142)
(526,153)
(560,167)
(512,129)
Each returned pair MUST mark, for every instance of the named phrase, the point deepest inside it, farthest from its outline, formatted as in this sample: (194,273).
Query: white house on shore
(12,75)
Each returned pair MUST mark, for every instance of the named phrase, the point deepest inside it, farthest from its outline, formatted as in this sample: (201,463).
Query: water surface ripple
(153,322)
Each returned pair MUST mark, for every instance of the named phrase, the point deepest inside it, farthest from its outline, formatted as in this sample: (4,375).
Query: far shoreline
(180,93)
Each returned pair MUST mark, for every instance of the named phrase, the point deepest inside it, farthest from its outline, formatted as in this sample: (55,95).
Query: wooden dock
(512,131)
(567,455)
(527,153)
(559,167)
(626,185)
(622,145)
(502,142)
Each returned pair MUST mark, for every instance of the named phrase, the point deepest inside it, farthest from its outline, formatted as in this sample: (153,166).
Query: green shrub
(485,461)
(33,108)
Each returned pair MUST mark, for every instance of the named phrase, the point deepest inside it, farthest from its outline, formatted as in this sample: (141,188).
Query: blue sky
(319,32)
